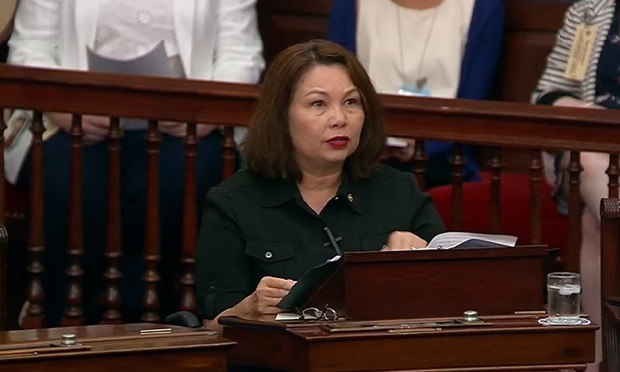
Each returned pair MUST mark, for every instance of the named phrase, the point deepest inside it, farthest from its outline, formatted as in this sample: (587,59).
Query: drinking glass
(564,297)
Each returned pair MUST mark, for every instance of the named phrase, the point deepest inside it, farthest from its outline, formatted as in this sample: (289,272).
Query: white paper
(153,63)
(452,239)
(396,142)
(287,317)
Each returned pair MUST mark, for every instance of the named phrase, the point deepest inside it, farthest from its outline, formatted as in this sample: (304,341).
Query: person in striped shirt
(592,83)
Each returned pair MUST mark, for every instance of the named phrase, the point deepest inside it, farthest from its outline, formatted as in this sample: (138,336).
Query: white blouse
(129,29)
(398,45)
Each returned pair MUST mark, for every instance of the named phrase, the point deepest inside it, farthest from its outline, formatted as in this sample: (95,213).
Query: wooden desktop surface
(114,348)
(509,343)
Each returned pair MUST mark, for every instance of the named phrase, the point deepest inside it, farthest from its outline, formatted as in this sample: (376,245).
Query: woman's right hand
(262,304)
(95,128)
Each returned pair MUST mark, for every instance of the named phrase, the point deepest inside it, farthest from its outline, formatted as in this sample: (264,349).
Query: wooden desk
(113,348)
(513,343)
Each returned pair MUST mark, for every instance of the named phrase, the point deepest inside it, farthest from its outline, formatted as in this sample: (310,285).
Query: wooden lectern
(419,284)
(122,347)
(404,311)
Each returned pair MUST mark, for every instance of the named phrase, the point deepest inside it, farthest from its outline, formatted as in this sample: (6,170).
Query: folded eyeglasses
(314,313)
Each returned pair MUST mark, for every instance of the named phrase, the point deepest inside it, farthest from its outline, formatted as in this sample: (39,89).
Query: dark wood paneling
(531,26)
(284,23)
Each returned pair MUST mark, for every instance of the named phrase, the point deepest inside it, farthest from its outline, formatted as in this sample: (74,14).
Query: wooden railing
(492,124)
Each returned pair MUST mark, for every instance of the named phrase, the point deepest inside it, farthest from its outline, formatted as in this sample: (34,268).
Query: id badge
(413,91)
(581,51)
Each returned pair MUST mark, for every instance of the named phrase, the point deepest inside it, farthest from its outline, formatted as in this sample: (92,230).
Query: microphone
(183,319)
(333,241)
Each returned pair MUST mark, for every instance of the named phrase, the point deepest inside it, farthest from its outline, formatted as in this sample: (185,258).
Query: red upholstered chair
(515,208)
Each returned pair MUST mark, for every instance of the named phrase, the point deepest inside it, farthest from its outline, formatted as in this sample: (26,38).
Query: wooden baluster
(571,257)
(151,254)
(612,172)
(190,222)
(536,178)
(457,161)
(3,249)
(229,157)
(419,164)
(73,312)
(113,250)
(496,165)
(35,315)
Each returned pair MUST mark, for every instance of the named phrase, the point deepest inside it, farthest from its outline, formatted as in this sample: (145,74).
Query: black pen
(333,240)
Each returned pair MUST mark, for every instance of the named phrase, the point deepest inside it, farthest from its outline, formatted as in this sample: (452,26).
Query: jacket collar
(281,191)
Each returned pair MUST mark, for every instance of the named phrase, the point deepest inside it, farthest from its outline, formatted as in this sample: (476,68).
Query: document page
(452,239)
(153,63)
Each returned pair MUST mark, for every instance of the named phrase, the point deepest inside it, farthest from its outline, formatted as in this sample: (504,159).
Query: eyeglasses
(314,313)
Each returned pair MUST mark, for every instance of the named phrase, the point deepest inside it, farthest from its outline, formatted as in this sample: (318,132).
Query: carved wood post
(536,178)
(495,205)
(35,316)
(187,300)
(457,161)
(228,154)
(73,313)
(113,250)
(572,255)
(151,253)
(419,164)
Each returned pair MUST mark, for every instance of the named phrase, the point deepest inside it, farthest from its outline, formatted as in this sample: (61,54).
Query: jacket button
(268,254)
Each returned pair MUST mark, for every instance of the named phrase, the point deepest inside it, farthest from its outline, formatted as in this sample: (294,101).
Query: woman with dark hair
(312,153)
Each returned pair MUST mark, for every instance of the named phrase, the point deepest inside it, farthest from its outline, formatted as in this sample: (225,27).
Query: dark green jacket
(254,227)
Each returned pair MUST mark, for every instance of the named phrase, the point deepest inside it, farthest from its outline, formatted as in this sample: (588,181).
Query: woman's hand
(177,129)
(95,128)
(262,304)
(404,241)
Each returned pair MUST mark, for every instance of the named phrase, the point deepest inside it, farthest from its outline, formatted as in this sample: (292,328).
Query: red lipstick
(338,142)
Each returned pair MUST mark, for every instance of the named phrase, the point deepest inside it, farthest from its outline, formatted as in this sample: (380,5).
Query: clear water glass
(564,297)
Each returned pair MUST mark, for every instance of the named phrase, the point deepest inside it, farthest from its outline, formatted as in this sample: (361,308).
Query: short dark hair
(268,147)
